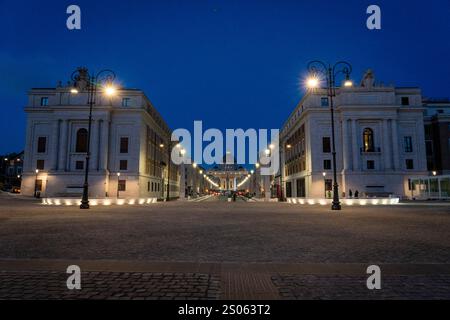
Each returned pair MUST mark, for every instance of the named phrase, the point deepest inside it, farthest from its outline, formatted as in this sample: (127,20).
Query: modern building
(129,142)
(11,167)
(437,135)
(380,141)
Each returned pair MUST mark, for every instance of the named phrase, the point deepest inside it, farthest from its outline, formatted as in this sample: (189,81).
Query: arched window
(368,144)
(82,140)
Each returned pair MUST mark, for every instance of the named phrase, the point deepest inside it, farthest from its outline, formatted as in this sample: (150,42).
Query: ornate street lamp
(319,71)
(103,80)
(169,153)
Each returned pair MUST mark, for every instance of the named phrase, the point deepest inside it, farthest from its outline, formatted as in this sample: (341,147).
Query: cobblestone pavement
(346,287)
(219,281)
(109,285)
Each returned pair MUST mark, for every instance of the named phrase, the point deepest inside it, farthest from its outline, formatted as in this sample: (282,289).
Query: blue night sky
(232,64)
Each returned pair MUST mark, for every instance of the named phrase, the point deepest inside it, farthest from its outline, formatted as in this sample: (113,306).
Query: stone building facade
(128,137)
(192,180)
(379,132)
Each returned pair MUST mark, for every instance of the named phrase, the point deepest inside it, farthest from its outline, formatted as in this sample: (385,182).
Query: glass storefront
(433,187)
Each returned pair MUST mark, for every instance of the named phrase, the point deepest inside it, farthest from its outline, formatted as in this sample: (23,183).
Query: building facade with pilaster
(379,134)
(128,137)
(192,181)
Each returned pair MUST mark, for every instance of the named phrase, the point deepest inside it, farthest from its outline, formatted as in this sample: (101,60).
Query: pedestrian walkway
(46,279)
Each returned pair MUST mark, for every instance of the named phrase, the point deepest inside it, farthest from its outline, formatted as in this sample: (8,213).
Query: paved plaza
(216,249)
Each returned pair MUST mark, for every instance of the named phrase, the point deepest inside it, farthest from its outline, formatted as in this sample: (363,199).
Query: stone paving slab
(218,267)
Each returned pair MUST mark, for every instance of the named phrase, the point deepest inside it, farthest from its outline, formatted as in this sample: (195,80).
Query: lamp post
(35,183)
(182,153)
(104,79)
(118,182)
(202,181)
(318,71)
(169,154)
(324,174)
(161,146)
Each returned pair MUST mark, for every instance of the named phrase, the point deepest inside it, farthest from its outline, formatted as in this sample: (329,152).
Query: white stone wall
(377,108)
(59,121)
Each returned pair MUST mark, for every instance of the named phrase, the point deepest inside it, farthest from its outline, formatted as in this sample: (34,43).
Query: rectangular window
(44,101)
(411,185)
(324,102)
(328,185)
(39,185)
(408,144)
(125,102)
(409,164)
(405,101)
(326,144)
(124,145)
(40,164)
(288,189)
(122,185)
(327,164)
(79,165)
(42,144)
(123,165)
(301,192)
(370,164)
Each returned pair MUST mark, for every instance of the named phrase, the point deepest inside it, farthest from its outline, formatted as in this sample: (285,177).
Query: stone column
(345,145)
(234,184)
(355,150)
(104,145)
(63,150)
(396,156)
(386,150)
(95,147)
(55,144)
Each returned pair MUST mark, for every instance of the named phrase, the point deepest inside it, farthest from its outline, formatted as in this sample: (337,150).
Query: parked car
(15,190)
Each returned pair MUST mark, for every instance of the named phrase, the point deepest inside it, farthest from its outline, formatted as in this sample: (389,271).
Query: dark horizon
(232,64)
